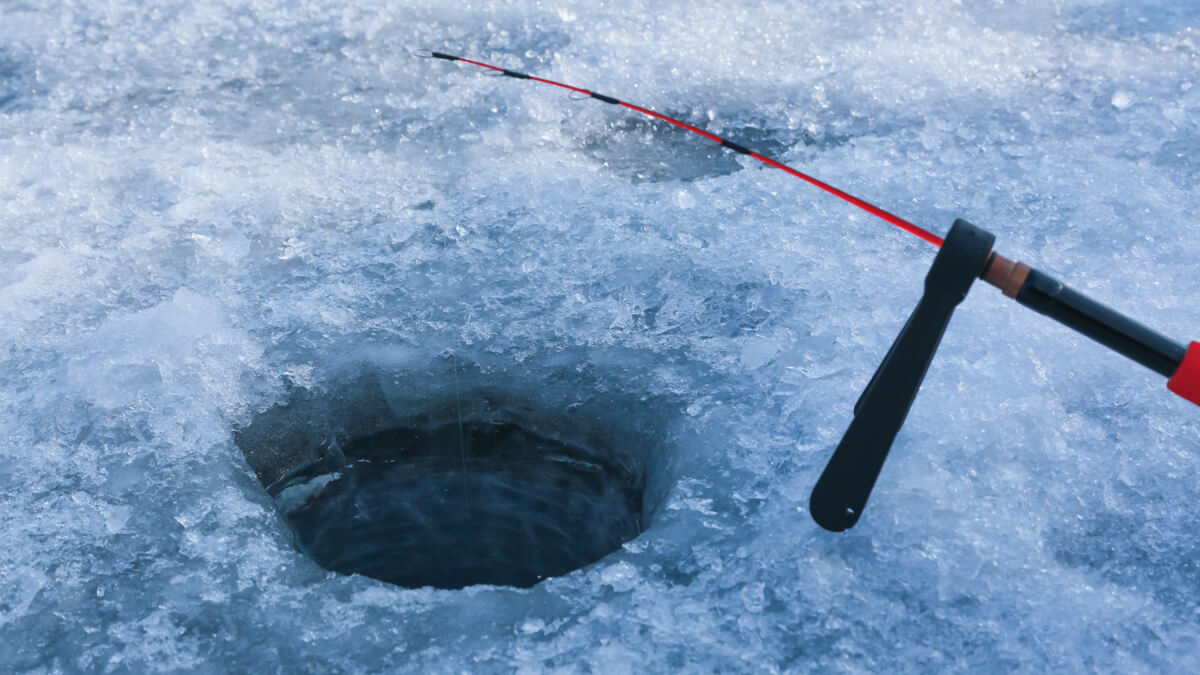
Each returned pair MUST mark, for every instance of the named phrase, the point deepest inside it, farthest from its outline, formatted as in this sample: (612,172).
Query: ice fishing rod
(965,254)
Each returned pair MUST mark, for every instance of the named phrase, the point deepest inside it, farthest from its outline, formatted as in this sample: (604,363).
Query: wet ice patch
(12,82)
(643,150)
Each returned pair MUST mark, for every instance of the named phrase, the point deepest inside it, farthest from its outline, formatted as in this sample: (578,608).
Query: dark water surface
(457,505)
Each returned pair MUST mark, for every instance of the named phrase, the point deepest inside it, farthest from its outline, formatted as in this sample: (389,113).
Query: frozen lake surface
(220,218)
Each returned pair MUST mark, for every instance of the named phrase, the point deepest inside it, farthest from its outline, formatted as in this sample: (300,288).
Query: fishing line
(741,149)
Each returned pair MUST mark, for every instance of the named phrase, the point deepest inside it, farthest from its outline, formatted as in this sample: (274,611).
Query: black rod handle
(841,493)
(1046,295)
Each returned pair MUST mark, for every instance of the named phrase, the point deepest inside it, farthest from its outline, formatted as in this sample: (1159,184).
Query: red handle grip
(1186,381)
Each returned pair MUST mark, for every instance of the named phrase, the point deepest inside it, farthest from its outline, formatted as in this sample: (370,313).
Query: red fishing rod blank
(845,196)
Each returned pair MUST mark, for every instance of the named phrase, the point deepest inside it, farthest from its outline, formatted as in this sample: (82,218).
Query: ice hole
(407,480)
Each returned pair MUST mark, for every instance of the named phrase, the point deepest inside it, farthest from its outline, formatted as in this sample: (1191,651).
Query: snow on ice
(209,210)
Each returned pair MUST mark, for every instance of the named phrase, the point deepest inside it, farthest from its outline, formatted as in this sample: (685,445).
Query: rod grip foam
(1186,381)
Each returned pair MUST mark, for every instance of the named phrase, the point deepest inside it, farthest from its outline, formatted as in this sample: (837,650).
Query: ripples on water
(457,505)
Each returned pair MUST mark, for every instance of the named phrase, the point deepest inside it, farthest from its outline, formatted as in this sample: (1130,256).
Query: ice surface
(211,208)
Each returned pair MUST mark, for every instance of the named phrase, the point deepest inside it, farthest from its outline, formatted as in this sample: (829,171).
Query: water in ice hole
(462,504)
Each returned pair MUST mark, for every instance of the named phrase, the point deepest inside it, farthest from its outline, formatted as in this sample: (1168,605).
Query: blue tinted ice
(209,210)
